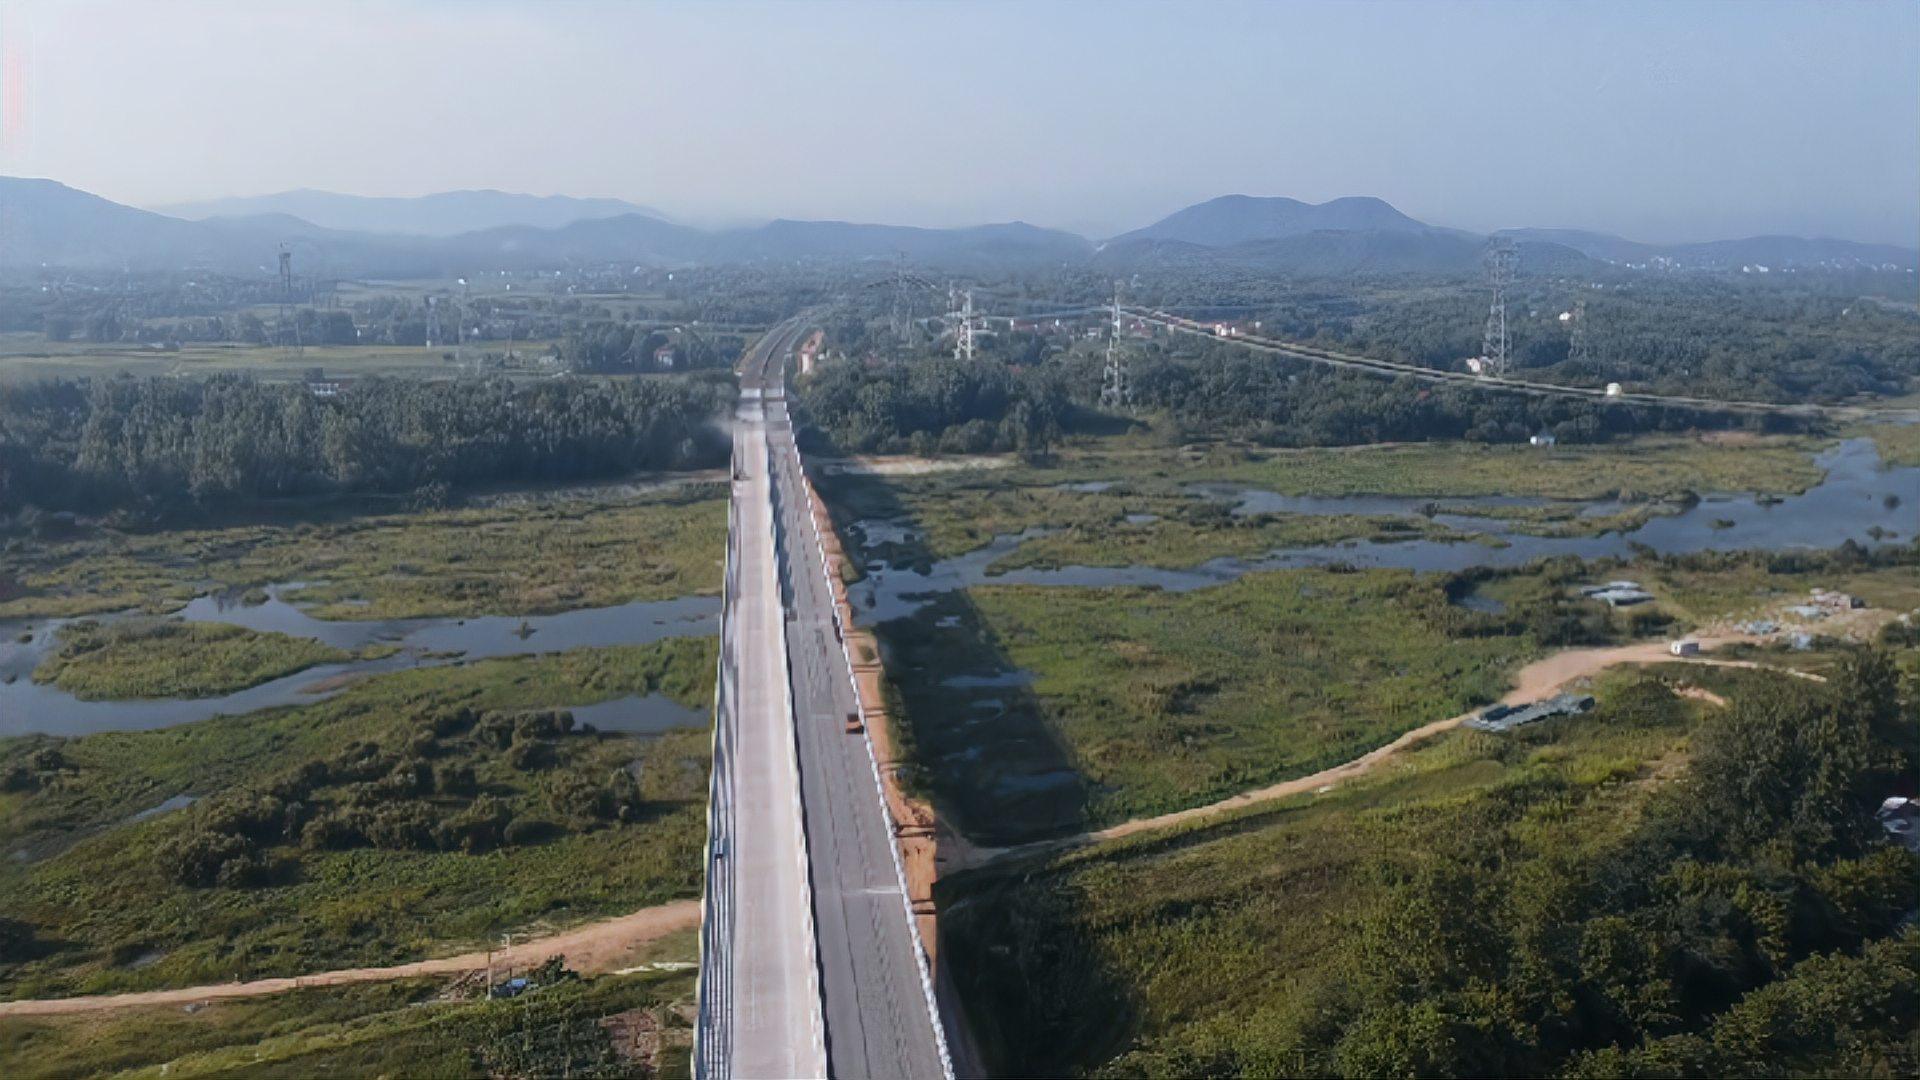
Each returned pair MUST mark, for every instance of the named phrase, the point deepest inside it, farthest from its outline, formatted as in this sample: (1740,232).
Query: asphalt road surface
(871,971)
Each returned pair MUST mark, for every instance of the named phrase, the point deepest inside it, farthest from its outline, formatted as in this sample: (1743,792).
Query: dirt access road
(1535,681)
(591,949)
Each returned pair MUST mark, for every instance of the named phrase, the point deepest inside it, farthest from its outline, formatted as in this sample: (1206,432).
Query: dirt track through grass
(591,949)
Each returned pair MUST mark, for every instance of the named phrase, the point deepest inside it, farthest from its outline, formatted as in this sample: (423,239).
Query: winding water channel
(26,706)
(1858,495)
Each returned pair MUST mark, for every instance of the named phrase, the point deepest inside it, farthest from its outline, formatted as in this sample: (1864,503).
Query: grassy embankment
(521,560)
(955,512)
(388,1029)
(164,659)
(1421,918)
(416,813)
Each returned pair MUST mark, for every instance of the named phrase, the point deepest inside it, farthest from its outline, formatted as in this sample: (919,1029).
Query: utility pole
(1116,390)
(1496,346)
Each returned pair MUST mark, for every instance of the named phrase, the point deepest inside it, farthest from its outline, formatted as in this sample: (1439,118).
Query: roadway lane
(878,1023)
(773,997)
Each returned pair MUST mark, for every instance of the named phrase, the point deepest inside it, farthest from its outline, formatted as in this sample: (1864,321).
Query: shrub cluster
(424,796)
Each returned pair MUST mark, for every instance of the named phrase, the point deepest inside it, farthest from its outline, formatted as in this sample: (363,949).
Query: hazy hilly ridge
(1241,219)
(446,213)
(1769,251)
(42,221)
(45,222)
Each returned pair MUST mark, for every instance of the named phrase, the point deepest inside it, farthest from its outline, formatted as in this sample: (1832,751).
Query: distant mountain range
(446,213)
(1754,251)
(1358,235)
(45,222)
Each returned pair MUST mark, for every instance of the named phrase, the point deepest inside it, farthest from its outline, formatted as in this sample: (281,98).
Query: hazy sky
(1667,121)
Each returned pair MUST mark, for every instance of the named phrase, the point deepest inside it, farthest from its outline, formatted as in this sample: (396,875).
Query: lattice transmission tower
(902,287)
(1116,389)
(964,321)
(289,326)
(1496,347)
(1577,341)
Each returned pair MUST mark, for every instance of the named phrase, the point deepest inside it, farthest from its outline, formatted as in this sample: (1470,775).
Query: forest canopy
(101,444)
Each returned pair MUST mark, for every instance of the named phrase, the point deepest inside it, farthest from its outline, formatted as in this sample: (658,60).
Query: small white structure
(1829,598)
(1477,365)
(1613,389)
(1617,593)
(1900,817)
(1684,648)
(1545,438)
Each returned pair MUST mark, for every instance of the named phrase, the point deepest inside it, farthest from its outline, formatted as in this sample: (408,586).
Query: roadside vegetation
(166,659)
(1660,887)
(523,559)
(415,813)
(611,1026)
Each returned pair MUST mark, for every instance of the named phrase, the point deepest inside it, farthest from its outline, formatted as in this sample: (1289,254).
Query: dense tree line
(937,403)
(1746,891)
(1198,388)
(1218,388)
(1820,335)
(101,444)
(1739,913)
(609,347)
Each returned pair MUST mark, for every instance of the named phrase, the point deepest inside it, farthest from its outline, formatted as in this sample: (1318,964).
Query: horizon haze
(1659,123)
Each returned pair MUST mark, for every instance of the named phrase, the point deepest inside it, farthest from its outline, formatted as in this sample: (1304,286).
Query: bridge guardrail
(713,991)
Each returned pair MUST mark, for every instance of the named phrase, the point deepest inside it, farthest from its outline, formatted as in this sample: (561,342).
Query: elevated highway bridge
(811,963)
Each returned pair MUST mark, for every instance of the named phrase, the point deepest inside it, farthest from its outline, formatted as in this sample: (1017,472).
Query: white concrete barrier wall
(816,1000)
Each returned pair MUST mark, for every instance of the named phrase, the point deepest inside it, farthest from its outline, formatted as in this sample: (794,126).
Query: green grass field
(164,659)
(1144,701)
(380,1029)
(509,560)
(1899,444)
(1181,542)
(28,356)
(406,766)
(1652,467)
